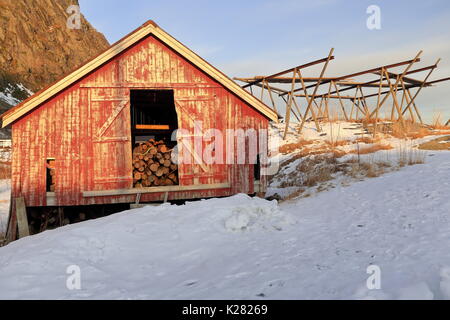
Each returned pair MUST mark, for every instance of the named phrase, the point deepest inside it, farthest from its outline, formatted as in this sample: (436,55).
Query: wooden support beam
(324,68)
(421,87)
(411,80)
(279,80)
(269,89)
(121,192)
(309,64)
(405,97)
(377,108)
(309,102)
(340,100)
(22,219)
(394,65)
(152,127)
(288,106)
(394,98)
(437,81)
(384,70)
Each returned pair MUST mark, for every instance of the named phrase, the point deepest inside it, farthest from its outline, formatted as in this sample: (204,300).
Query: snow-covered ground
(248,248)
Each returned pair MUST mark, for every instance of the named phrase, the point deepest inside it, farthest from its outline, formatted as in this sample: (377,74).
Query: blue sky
(246,38)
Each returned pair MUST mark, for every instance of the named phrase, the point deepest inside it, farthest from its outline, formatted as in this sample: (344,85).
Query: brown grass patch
(366,121)
(414,130)
(337,143)
(410,156)
(436,144)
(367,140)
(372,149)
(290,147)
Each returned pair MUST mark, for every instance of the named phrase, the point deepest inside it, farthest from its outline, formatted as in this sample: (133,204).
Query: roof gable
(119,47)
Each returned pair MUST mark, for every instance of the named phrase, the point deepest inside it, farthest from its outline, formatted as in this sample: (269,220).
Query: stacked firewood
(153,166)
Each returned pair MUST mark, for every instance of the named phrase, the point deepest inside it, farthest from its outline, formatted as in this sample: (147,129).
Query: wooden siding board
(64,128)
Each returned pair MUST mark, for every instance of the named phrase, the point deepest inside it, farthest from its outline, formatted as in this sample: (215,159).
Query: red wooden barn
(87,124)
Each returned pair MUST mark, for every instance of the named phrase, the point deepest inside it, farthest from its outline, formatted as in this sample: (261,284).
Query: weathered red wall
(66,127)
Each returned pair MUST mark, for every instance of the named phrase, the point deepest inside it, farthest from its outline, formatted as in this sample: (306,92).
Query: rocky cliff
(38,47)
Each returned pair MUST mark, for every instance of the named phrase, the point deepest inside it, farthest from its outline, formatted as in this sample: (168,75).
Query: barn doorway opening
(153,122)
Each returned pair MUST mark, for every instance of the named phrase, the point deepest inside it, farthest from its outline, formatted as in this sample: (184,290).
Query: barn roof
(149,28)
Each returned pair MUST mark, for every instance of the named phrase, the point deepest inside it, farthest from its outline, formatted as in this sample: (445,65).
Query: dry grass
(437,123)
(436,144)
(337,143)
(317,170)
(311,171)
(402,131)
(290,147)
(414,130)
(315,173)
(369,169)
(409,156)
(370,121)
(367,140)
(372,149)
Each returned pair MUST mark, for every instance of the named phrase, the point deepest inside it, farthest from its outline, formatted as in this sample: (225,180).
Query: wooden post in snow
(22,219)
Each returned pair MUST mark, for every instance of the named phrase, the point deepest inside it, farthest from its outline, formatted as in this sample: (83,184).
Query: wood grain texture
(66,128)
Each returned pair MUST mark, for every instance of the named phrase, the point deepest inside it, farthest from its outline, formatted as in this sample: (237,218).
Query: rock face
(37,46)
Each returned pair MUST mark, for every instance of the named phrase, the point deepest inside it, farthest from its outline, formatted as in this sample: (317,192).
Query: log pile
(153,166)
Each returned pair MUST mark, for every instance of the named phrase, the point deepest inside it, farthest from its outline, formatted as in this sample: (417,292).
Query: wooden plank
(288,106)
(117,110)
(150,85)
(105,193)
(22,220)
(394,65)
(309,64)
(324,68)
(420,88)
(152,127)
(281,80)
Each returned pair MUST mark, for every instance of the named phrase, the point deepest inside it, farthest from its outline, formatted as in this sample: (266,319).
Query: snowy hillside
(242,248)
(11,94)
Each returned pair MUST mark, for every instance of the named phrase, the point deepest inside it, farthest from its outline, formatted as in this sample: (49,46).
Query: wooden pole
(394,98)
(271,97)
(405,97)
(378,105)
(22,219)
(316,88)
(415,106)
(340,100)
(309,99)
(289,105)
(411,63)
(422,85)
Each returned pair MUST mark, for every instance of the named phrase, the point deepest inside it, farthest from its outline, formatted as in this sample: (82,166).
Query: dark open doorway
(153,114)
(153,121)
